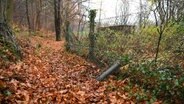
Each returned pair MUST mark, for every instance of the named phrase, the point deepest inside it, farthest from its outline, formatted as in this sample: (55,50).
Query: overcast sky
(109,7)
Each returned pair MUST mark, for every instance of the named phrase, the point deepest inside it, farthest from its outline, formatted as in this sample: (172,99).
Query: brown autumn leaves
(49,75)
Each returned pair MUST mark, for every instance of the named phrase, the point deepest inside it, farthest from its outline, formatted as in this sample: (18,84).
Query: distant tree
(122,12)
(72,13)
(28,18)
(33,14)
(38,16)
(140,13)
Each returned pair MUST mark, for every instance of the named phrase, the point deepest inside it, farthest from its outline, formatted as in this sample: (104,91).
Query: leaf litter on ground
(51,75)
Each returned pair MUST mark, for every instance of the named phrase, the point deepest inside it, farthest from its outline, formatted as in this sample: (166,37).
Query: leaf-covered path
(49,75)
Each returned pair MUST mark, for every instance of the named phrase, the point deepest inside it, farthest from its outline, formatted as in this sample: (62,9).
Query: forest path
(48,42)
(48,74)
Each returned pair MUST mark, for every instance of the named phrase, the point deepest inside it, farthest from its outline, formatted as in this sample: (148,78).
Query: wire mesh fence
(111,44)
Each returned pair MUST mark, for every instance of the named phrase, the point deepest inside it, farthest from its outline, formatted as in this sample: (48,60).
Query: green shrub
(7,51)
(165,83)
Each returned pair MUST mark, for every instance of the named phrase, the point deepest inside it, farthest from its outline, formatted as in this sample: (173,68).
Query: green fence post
(92,15)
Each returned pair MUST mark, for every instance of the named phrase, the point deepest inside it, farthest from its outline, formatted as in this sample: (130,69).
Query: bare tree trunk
(160,31)
(67,37)
(33,15)
(79,25)
(28,18)
(38,12)
(100,14)
(6,34)
(57,13)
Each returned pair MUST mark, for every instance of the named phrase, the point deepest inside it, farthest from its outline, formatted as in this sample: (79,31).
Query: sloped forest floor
(49,75)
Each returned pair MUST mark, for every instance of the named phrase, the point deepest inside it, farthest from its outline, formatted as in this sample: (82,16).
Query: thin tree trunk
(38,11)
(28,18)
(79,26)
(158,44)
(67,45)
(33,15)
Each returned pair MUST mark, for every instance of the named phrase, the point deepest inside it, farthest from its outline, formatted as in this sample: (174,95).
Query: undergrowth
(163,80)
